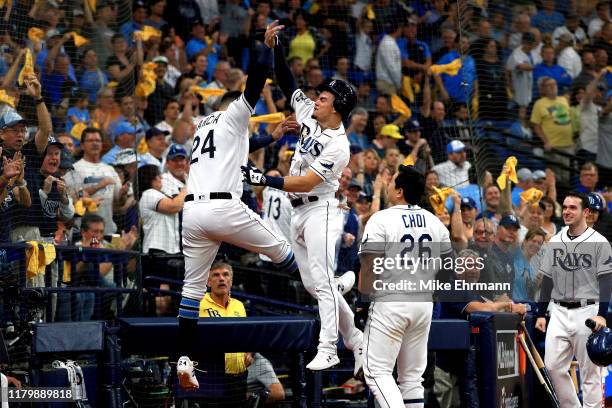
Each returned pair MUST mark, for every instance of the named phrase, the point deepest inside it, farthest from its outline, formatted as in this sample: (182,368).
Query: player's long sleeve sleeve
(545,291)
(257,142)
(257,73)
(284,76)
(605,290)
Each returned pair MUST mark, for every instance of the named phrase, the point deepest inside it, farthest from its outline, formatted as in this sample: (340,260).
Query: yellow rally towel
(67,272)
(142,147)
(77,130)
(408,161)
(452,68)
(37,259)
(85,204)
(438,200)
(407,89)
(269,118)
(243,86)
(92,4)
(399,106)
(509,173)
(609,68)
(206,93)
(28,67)
(370,14)
(6,98)
(35,34)
(112,84)
(531,196)
(147,33)
(79,40)
(145,87)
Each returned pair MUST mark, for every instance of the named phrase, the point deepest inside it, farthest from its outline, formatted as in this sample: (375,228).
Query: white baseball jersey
(326,152)
(575,265)
(407,231)
(277,213)
(220,147)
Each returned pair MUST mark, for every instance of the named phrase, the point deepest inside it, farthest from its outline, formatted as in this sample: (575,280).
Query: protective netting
(454,88)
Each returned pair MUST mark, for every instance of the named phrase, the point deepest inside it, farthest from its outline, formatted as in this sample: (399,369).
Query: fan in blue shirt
(548,68)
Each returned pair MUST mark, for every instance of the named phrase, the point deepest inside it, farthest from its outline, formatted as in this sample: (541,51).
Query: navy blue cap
(152,132)
(355,149)
(468,202)
(595,202)
(412,125)
(509,220)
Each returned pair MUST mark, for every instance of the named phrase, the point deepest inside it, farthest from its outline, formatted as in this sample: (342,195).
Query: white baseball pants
(566,337)
(208,223)
(315,228)
(397,331)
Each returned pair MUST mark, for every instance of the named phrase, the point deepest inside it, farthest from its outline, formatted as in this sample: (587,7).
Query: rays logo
(571,261)
(310,145)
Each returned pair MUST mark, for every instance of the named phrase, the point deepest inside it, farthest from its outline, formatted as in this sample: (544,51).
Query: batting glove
(253,176)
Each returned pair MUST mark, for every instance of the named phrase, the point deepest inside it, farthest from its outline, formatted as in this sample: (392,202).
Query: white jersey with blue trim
(576,263)
(220,148)
(325,152)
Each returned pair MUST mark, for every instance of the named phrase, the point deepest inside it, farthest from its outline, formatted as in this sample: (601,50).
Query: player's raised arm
(284,76)
(258,70)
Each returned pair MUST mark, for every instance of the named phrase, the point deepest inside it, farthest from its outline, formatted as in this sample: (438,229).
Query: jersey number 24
(208,146)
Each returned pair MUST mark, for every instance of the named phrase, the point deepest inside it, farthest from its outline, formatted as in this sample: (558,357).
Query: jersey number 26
(208,146)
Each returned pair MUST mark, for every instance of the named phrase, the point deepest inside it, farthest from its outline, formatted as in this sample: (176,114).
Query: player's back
(414,242)
(220,147)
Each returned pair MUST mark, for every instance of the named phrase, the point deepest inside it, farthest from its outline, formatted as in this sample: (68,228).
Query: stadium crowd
(99,102)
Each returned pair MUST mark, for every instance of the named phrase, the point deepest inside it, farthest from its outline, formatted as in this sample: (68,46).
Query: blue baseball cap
(176,151)
(121,128)
(52,141)
(355,149)
(595,202)
(509,220)
(455,146)
(412,125)
(10,118)
(468,202)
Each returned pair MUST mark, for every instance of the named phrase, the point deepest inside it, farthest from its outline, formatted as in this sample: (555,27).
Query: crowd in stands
(99,102)
(99,107)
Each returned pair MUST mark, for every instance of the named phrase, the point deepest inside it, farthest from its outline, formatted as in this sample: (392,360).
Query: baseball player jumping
(399,320)
(577,266)
(213,211)
(320,156)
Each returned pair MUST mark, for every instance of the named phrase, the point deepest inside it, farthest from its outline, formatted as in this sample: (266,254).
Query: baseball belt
(296,202)
(574,305)
(212,196)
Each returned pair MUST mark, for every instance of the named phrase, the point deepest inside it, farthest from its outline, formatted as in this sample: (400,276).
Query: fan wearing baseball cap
(454,172)
(499,265)
(157,145)
(598,216)
(124,137)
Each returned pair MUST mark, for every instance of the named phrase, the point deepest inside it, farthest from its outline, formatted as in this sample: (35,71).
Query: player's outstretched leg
(200,252)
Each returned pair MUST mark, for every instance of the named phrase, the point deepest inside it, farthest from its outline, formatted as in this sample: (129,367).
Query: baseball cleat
(345,282)
(323,361)
(186,373)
